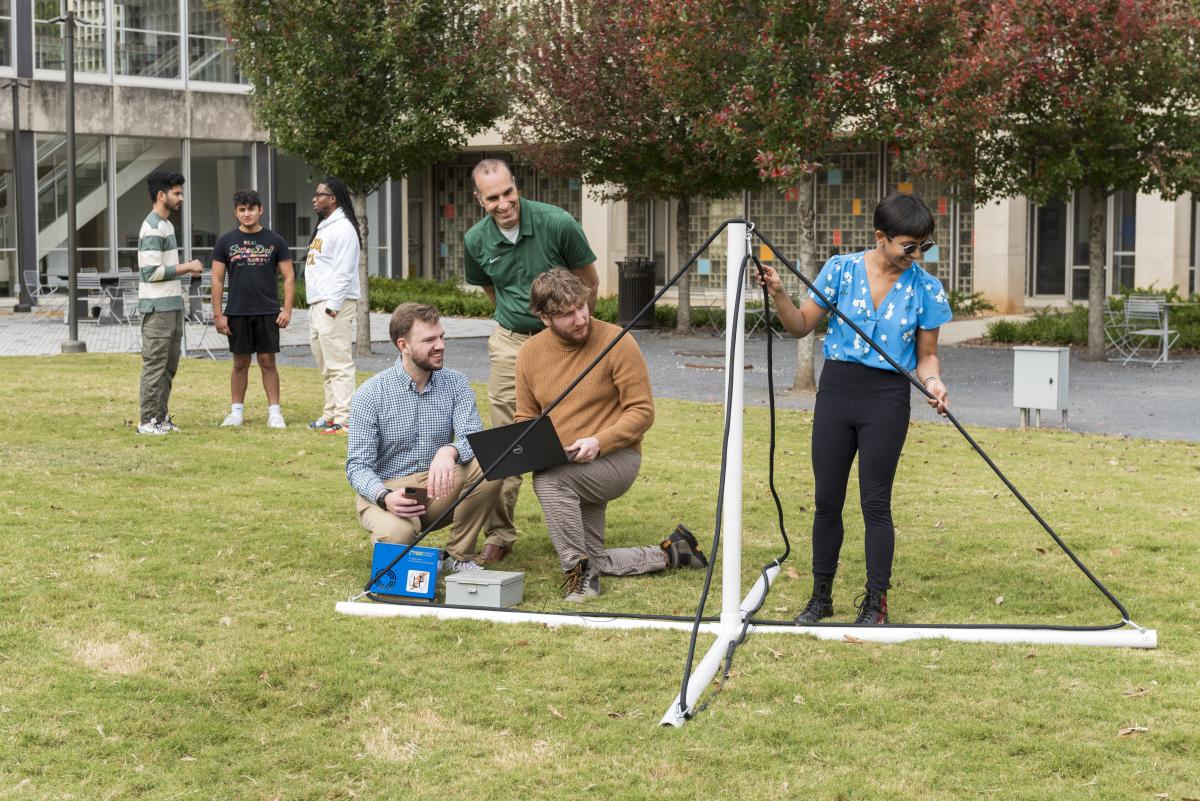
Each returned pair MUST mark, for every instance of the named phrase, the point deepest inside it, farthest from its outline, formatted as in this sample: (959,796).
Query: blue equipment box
(414,576)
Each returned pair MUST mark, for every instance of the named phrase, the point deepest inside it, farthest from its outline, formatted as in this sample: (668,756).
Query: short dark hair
(408,313)
(246,197)
(162,181)
(899,214)
(488,166)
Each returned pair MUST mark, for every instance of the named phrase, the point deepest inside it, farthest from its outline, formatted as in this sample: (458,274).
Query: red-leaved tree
(601,94)
(1043,98)
(819,73)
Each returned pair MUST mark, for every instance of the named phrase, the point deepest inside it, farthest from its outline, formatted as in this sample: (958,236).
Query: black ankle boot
(820,605)
(872,611)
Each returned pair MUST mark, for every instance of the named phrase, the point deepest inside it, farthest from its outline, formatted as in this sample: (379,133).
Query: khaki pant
(331,339)
(502,395)
(468,518)
(161,334)
(574,500)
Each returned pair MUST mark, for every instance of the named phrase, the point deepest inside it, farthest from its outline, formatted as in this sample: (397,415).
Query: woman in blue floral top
(862,402)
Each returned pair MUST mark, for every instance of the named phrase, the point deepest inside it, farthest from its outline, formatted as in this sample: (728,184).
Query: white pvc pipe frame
(733,612)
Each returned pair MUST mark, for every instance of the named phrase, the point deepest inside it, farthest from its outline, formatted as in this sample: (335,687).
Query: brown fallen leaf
(1130,731)
(555,712)
(1134,692)
(791,573)
(849,638)
(522,642)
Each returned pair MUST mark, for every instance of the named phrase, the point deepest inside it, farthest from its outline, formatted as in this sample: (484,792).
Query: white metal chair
(1149,340)
(1116,335)
(131,316)
(45,295)
(198,309)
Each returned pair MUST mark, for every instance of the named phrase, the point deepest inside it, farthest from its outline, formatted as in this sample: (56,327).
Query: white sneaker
(275,420)
(452,565)
(169,427)
(151,428)
(233,419)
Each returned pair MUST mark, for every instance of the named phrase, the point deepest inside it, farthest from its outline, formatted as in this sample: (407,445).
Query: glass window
(147,38)
(6,41)
(1050,230)
(416,223)
(377,231)
(210,55)
(218,170)
(1124,239)
(91,206)
(8,220)
(136,159)
(90,36)
(1195,244)
(1081,248)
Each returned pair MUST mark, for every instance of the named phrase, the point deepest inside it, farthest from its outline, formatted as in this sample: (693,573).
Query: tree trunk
(362,340)
(806,347)
(683,322)
(1097,296)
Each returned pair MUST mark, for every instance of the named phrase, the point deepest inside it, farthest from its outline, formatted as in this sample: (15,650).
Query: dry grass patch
(121,657)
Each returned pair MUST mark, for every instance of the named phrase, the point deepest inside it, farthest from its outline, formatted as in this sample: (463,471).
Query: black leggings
(860,410)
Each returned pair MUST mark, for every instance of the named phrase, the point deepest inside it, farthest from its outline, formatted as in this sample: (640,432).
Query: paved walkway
(1105,398)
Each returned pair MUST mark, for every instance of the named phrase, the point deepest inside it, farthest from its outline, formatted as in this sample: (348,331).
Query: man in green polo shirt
(516,242)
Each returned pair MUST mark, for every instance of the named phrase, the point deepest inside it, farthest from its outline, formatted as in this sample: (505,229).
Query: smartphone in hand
(418,494)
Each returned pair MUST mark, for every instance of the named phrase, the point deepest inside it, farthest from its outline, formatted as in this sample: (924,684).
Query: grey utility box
(494,588)
(1040,379)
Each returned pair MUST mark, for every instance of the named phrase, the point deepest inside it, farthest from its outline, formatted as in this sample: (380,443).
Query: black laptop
(539,450)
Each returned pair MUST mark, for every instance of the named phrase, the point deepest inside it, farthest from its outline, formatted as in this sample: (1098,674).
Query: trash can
(635,288)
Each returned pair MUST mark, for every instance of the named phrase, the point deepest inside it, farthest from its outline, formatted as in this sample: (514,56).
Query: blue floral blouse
(916,301)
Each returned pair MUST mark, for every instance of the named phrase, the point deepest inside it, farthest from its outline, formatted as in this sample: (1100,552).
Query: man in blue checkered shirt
(408,458)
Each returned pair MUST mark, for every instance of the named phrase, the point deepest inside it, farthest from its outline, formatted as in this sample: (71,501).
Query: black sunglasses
(913,247)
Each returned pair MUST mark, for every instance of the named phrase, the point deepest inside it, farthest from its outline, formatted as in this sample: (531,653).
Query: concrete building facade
(158,88)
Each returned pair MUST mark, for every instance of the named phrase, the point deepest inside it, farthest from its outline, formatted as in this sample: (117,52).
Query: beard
(428,364)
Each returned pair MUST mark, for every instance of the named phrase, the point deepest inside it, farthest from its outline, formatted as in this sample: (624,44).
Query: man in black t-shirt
(252,255)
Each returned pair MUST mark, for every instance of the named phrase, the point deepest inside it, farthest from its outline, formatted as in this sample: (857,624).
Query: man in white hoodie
(332,288)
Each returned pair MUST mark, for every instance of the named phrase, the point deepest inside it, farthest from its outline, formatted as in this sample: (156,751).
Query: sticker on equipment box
(418,581)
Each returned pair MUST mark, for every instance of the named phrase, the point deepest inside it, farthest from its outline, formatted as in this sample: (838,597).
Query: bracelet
(925,383)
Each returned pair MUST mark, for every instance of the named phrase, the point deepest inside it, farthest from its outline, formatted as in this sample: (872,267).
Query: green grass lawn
(167,625)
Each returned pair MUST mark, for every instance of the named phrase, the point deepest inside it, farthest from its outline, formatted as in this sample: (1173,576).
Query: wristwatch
(381,498)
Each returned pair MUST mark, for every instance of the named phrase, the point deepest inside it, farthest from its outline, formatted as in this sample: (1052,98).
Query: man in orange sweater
(601,424)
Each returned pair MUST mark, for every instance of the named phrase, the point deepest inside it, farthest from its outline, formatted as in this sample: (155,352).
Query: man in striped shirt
(160,300)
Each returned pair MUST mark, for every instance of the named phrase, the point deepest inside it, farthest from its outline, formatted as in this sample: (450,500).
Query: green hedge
(1069,326)
(386,294)
(454,301)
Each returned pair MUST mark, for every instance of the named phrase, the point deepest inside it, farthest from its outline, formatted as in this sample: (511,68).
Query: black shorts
(253,333)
